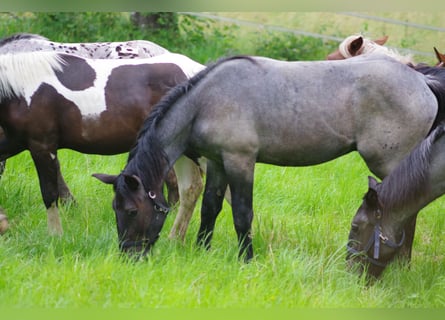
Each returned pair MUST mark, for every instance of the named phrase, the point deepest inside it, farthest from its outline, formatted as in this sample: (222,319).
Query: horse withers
(244,110)
(50,101)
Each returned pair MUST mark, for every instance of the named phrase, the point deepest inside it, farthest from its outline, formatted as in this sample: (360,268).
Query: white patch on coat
(21,74)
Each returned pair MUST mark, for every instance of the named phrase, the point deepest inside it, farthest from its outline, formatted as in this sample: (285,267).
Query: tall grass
(301,224)
(302,218)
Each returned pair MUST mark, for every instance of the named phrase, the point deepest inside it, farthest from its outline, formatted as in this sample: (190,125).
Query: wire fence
(324,36)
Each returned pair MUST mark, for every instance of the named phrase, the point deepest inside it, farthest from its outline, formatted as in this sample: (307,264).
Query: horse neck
(417,181)
(161,142)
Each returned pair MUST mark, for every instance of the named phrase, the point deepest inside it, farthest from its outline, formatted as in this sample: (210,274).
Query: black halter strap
(146,242)
(376,240)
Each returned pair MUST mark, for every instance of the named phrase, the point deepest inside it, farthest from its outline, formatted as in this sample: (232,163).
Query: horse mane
(173,95)
(21,36)
(410,180)
(23,69)
(435,79)
(147,157)
(370,46)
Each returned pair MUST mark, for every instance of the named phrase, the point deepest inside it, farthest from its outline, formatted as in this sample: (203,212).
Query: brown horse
(50,101)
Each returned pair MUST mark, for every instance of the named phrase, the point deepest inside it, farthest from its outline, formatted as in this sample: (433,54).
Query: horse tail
(435,79)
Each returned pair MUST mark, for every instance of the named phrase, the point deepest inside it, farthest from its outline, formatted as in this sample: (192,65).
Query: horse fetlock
(4,224)
(54,224)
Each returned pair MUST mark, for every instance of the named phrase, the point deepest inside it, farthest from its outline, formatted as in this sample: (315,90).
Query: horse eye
(132,213)
(354,227)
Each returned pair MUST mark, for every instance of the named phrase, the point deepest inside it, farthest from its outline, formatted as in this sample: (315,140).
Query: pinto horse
(26,42)
(378,228)
(50,101)
(244,110)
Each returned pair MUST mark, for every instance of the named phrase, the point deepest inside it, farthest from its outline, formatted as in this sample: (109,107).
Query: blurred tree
(156,21)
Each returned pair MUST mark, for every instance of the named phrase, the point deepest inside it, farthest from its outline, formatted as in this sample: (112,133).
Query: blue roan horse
(244,110)
(50,101)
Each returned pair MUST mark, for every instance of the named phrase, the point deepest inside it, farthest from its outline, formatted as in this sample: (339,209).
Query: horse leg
(203,166)
(216,184)
(172,186)
(65,194)
(4,224)
(2,167)
(190,187)
(240,173)
(46,166)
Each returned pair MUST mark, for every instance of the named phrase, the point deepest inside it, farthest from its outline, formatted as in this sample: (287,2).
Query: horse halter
(146,242)
(377,239)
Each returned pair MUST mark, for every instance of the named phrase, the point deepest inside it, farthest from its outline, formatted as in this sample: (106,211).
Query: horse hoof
(4,224)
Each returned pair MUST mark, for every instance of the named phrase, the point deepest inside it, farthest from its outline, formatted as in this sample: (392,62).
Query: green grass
(301,224)
(302,218)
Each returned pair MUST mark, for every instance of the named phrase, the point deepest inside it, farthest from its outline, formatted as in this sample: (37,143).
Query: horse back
(303,113)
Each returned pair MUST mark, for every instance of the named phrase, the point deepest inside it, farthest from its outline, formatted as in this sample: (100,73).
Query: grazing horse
(378,228)
(26,42)
(244,110)
(356,45)
(50,101)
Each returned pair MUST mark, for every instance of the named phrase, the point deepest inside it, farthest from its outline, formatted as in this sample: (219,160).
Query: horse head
(353,46)
(140,214)
(369,245)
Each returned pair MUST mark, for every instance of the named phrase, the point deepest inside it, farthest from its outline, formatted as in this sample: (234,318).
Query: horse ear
(440,56)
(355,45)
(381,41)
(132,181)
(371,197)
(105,178)
(372,182)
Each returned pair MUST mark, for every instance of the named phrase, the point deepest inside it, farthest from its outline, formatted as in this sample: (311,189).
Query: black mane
(161,108)
(411,180)
(20,36)
(147,157)
(435,79)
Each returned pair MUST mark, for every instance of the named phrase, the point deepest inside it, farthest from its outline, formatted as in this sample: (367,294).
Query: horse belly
(303,152)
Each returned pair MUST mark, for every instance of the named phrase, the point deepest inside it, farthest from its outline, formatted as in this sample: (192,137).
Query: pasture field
(302,218)
(300,229)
